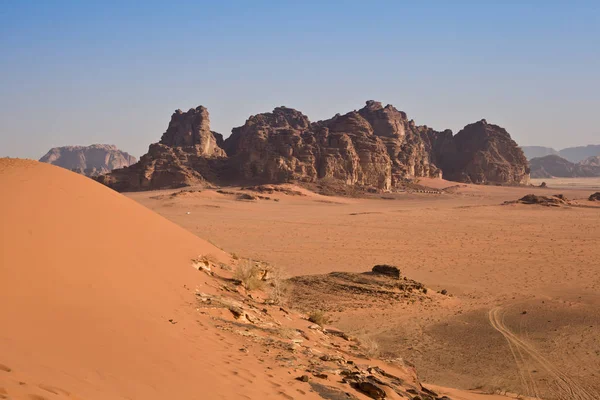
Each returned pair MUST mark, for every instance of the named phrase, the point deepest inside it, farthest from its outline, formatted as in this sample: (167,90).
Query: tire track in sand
(524,354)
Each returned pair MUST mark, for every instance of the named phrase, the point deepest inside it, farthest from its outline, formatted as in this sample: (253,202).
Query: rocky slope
(556,166)
(374,147)
(93,160)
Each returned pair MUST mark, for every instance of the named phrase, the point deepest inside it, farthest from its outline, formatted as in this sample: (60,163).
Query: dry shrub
(287,333)
(318,317)
(248,273)
(370,347)
(278,286)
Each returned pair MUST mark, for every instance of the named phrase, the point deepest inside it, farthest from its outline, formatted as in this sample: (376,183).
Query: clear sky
(83,72)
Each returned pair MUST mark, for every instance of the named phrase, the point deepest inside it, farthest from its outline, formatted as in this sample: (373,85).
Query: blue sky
(83,72)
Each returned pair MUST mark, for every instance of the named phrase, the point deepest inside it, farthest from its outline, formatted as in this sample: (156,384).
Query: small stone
(303,378)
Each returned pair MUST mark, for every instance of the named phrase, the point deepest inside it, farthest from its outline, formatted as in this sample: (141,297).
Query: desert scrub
(370,347)
(248,274)
(278,286)
(318,317)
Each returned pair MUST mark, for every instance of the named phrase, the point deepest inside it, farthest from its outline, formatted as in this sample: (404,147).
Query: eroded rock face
(93,160)
(191,131)
(374,147)
(187,154)
(483,153)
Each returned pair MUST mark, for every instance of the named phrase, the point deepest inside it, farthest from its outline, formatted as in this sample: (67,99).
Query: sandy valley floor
(523,313)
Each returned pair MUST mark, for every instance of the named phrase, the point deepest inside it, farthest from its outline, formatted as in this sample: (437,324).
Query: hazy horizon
(104,72)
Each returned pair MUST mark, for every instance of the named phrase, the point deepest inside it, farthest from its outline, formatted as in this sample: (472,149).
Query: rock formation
(556,200)
(188,153)
(93,160)
(556,166)
(483,153)
(374,147)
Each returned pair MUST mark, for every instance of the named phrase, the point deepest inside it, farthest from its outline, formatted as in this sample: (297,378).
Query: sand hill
(89,281)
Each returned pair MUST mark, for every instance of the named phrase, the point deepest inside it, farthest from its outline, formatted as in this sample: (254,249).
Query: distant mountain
(572,154)
(577,154)
(537,151)
(93,160)
(591,161)
(556,166)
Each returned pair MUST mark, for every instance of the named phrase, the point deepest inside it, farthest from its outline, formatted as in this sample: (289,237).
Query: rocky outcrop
(374,147)
(483,153)
(557,200)
(556,166)
(188,153)
(93,160)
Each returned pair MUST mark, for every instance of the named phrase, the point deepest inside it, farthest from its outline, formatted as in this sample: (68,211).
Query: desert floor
(101,298)
(522,312)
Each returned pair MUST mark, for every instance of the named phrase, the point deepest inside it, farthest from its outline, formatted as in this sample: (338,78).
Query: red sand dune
(88,283)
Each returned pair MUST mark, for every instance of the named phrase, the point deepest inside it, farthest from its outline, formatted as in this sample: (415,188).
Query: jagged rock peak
(281,117)
(192,129)
(386,121)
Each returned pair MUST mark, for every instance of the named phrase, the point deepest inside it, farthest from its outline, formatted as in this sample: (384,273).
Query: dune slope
(88,283)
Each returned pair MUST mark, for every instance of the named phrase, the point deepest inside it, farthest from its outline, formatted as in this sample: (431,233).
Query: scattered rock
(336,332)
(303,378)
(246,196)
(595,197)
(372,390)
(388,270)
(331,393)
(444,292)
(548,201)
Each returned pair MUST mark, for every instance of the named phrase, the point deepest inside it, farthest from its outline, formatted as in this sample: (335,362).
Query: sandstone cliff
(93,160)
(376,147)
(483,153)
(187,154)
